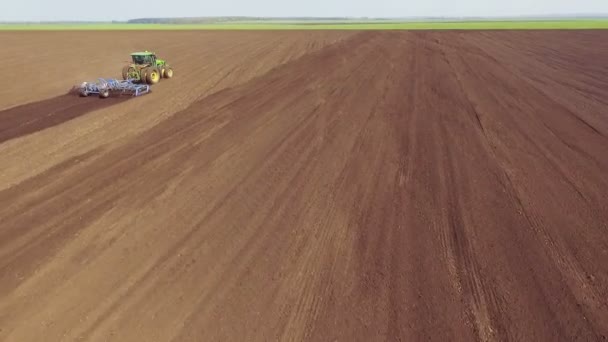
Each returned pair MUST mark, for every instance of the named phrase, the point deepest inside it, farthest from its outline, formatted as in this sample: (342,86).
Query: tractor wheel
(153,76)
(161,70)
(143,73)
(168,72)
(128,72)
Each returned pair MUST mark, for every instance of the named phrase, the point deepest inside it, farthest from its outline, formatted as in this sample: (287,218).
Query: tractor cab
(144,58)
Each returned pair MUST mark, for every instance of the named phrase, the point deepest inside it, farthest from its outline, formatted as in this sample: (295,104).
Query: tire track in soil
(564,263)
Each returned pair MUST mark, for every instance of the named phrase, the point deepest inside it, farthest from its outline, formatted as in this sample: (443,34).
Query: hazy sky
(15,10)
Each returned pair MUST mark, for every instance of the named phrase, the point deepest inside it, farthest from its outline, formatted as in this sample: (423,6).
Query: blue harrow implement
(106,87)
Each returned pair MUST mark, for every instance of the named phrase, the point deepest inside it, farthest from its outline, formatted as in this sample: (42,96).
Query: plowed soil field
(314,185)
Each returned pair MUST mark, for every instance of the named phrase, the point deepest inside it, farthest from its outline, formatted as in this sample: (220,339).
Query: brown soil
(448,186)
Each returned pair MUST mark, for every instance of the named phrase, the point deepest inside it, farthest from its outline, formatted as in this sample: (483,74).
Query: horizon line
(524,16)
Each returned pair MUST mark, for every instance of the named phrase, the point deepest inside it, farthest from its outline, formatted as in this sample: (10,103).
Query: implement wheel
(153,75)
(82,91)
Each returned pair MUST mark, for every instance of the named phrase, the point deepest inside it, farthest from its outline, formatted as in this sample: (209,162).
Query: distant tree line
(211,20)
(236,19)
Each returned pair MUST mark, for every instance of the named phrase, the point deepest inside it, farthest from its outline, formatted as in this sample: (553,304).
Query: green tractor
(146,68)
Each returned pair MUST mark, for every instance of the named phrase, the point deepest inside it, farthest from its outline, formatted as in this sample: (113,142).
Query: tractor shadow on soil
(36,116)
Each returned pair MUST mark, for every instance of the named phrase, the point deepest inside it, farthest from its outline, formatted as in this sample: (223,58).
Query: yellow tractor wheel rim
(154,76)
